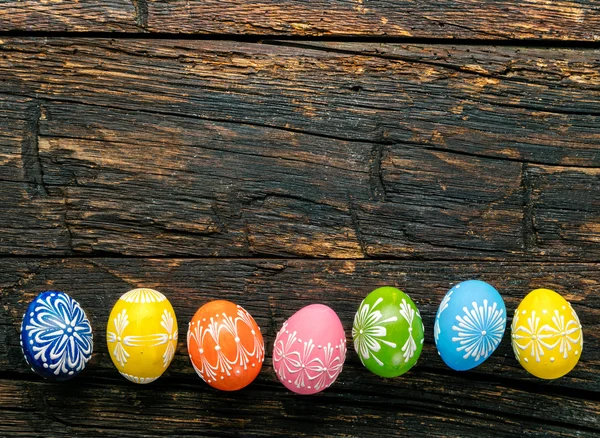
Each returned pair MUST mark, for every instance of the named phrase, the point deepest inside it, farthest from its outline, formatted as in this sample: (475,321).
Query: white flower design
(326,371)
(121,321)
(305,367)
(140,380)
(204,370)
(443,306)
(533,336)
(283,352)
(409,347)
(368,331)
(214,328)
(513,329)
(561,334)
(59,334)
(567,334)
(168,323)
(480,330)
(258,349)
(143,296)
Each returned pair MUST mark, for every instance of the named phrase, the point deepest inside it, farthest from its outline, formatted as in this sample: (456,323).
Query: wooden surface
(568,20)
(280,172)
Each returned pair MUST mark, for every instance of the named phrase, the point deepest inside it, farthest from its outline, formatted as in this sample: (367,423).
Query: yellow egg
(142,335)
(546,334)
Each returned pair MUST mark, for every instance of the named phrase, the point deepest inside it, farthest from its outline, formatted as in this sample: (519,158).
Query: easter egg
(141,335)
(388,332)
(546,334)
(225,345)
(469,324)
(310,350)
(56,336)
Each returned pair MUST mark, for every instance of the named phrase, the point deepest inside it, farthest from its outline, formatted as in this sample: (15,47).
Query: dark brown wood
(497,398)
(506,19)
(268,174)
(30,218)
(70,16)
(228,149)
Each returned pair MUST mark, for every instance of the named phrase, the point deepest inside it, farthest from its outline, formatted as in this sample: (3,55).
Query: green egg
(388,332)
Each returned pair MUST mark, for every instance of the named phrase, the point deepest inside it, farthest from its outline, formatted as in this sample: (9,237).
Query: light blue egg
(56,336)
(469,324)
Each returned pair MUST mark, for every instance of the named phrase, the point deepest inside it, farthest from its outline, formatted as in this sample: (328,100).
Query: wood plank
(232,199)
(506,19)
(535,105)
(498,397)
(233,149)
(70,16)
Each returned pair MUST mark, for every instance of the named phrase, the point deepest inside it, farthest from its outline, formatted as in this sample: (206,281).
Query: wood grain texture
(265,173)
(68,16)
(497,399)
(507,19)
(183,148)
(31,219)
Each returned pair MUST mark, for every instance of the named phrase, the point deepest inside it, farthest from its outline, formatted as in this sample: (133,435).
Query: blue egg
(469,324)
(56,336)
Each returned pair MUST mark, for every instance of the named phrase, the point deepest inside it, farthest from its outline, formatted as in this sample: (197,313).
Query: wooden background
(285,152)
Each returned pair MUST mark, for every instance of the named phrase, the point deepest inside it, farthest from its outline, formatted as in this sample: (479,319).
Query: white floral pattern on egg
(310,350)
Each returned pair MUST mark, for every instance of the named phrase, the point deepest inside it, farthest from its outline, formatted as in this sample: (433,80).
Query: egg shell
(547,337)
(225,345)
(388,332)
(469,324)
(141,335)
(56,336)
(310,350)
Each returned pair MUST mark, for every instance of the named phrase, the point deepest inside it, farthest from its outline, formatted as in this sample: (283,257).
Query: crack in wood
(380,140)
(248,238)
(221,226)
(141,13)
(65,220)
(529,233)
(210,119)
(357,230)
(30,154)
(325,46)
(375,177)
(542,109)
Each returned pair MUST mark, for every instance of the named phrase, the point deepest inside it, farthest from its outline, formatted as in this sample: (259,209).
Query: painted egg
(141,335)
(310,350)
(225,345)
(469,324)
(388,332)
(546,334)
(56,336)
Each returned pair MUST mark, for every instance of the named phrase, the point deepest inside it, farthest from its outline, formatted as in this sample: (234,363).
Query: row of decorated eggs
(226,347)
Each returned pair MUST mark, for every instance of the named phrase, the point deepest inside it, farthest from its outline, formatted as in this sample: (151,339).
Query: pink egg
(310,350)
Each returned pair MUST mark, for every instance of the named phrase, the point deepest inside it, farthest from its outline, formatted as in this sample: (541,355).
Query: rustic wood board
(278,173)
(325,150)
(497,398)
(491,20)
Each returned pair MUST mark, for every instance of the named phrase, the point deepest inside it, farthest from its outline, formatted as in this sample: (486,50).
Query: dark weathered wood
(506,19)
(537,105)
(330,150)
(467,162)
(497,398)
(70,16)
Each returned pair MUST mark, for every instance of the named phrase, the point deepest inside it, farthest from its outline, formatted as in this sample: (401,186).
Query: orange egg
(225,345)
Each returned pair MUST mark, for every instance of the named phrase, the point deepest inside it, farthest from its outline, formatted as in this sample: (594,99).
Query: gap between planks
(506,42)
